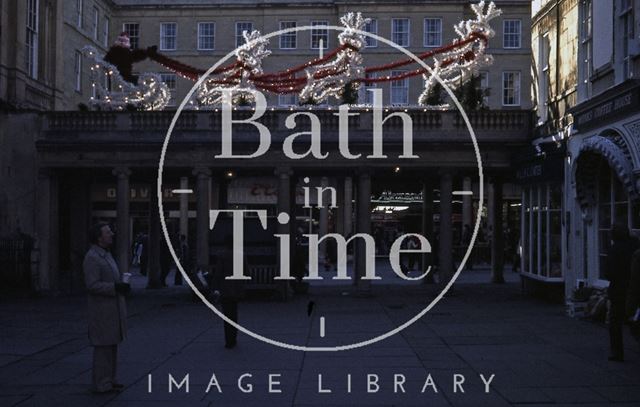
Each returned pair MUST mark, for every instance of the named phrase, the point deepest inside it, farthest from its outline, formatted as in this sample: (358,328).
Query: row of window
(400,34)
(101,36)
(399,90)
(624,29)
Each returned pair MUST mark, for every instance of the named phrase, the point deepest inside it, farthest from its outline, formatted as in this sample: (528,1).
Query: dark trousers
(616,323)
(164,272)
(104,367)
(177,279)
(230,310)
(635,330)
(143,264)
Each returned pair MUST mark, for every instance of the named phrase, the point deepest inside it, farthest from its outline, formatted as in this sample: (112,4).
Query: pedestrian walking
(184,260)
(166,261)
(106,308)
(466,241)
(514,249)
(144,257)
(412,258)
(227,292)
(617,271)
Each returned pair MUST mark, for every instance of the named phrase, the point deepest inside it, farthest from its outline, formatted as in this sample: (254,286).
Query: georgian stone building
(586,96)
(554,35)
(82,166)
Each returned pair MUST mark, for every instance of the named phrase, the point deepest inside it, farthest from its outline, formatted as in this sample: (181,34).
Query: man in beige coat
(107,308)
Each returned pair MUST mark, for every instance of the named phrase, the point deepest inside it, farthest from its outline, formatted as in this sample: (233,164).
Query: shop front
(541,248)
(605,179)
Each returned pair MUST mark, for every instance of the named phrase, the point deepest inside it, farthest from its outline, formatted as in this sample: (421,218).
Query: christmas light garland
(323,77)
(112,92)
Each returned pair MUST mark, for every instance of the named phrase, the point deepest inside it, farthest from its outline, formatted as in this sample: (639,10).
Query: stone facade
(53,160)
(554,46)
(588,130)
(64,27)
(266,17)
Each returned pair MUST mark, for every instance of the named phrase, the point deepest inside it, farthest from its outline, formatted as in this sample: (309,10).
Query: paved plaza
(538,355)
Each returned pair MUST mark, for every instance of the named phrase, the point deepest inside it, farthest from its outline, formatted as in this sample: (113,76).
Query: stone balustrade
(512,125)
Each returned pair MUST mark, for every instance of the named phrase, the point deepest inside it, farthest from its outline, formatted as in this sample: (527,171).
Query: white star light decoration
(454,74)
(346,67)
(112,92)
(249,57)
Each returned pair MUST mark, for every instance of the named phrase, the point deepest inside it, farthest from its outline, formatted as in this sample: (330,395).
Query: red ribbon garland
(185,70)
(286,81)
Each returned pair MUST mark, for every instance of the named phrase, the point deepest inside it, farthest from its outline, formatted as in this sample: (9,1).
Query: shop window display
(542,231)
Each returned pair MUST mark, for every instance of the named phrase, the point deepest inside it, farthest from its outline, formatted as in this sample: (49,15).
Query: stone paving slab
(538,355)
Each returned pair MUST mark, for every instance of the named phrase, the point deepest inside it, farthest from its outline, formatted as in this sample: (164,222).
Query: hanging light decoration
(313,81)
(150,93)
(326,80)
(238,80)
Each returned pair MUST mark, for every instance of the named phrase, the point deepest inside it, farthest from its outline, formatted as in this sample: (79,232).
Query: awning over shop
(592,152)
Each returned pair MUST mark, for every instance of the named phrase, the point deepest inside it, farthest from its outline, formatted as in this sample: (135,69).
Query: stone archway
(611,148)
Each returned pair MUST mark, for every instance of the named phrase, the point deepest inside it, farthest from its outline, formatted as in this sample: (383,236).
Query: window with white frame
(586,43)
(319,35)
(31,57)
(543,76)
(96,23)
(365,96)
(484,86)
(133,31)
(105,31)
(627,31)
(206,36)
(511,88)
(79,13)
(512,34)
(168,36)
(432,32)
(289,99)
(399,89)
(541,235)
(77,71)
(400,31)
(171,81)
(288,40)
(242,26)
(371,27)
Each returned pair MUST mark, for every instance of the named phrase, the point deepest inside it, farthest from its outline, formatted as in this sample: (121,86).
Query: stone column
(323,222)
(284,206)
(184,207)
(215,195)
(203,183)
(427,228)
(363,225)
(123,222)
(284,195)
(80,206)
(445,248)
(339,211)
(154,240)
(466,202)
(497,233)
(43,228)
(293,203)
(347,209)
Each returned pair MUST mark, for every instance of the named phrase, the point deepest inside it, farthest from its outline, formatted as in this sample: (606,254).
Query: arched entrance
(606,189)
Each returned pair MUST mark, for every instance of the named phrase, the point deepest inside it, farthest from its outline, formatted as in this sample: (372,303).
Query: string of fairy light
(314,81)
